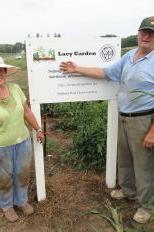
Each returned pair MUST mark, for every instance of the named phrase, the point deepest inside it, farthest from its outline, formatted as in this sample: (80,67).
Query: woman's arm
(31,119)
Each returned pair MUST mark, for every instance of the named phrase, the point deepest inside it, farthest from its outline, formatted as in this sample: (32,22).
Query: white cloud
(71,18)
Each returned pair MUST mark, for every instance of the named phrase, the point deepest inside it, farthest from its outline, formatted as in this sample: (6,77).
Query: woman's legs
(21,164)
(6,172)
(14,177)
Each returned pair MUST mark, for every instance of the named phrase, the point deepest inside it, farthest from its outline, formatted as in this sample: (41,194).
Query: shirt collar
(148,56)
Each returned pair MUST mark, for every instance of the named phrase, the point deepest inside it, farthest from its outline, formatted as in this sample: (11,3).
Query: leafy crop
(88,122)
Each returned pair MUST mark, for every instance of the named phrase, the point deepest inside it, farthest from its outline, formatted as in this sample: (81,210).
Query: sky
(71,18)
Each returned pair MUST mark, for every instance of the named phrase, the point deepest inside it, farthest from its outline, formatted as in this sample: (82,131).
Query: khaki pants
(136,163)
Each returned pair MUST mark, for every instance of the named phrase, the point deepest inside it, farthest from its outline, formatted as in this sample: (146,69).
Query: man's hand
(68,67)
(148,141)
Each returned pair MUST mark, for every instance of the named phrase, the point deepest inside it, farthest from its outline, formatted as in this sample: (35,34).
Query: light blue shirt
(138,75)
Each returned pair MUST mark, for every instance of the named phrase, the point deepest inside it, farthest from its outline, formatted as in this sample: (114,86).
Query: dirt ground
(73,198)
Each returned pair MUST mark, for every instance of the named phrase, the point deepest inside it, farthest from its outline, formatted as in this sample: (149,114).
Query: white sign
(49,85)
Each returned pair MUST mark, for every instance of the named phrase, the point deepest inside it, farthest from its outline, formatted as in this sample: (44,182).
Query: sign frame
(112,119)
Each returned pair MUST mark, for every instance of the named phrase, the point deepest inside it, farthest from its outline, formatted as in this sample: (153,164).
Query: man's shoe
(11,215)
(141,216)
(27,209)
(117,194)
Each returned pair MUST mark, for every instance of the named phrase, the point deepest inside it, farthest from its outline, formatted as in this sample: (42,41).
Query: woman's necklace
(4,93)
(7,100)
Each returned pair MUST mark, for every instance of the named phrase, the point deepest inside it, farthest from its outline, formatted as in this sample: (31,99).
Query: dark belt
(136,114)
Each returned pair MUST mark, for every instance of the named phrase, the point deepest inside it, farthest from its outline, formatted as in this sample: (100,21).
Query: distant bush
(129,41)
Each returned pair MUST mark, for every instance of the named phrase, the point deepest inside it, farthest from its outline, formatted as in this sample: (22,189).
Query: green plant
(114,217)
(87,123)
(49,145)
(89,141)
(94,228)
(142,229)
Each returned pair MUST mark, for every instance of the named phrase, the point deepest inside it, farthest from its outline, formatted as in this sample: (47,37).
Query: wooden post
(111,158)
(39,158)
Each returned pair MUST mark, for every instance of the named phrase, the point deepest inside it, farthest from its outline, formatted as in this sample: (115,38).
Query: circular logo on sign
(107,52)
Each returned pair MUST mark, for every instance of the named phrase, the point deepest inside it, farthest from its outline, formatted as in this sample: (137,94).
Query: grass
(16,62)
(124,50)
(20,77)
(50,146)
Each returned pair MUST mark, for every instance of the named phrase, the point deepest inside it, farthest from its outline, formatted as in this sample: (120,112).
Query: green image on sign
(41,53)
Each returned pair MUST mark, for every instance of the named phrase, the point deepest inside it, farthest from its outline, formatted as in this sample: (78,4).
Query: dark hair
(5,69)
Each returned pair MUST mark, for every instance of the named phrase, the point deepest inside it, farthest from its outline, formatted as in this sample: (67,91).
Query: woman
(15,145)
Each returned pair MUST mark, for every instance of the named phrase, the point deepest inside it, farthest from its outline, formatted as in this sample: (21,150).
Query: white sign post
(47,84)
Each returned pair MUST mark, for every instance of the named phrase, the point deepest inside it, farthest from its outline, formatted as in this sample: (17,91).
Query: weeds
(114,217)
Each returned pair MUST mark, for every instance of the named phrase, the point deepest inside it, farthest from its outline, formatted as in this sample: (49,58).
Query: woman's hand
(68,67)
(40,136)
(31,119)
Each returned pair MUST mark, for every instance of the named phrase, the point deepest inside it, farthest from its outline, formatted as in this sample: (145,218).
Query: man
(135,72)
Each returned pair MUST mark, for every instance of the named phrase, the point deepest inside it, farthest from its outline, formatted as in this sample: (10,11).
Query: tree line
(130,41)
(18,47)
(12,48)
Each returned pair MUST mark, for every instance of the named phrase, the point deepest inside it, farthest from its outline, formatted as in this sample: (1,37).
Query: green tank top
(12,125)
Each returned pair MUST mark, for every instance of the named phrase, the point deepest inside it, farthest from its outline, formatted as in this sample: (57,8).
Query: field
(77,200)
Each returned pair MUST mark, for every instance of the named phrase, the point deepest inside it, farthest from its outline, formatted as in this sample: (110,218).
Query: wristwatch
(38,130)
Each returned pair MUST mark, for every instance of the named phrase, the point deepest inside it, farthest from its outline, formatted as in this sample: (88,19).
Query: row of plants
(87,122)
